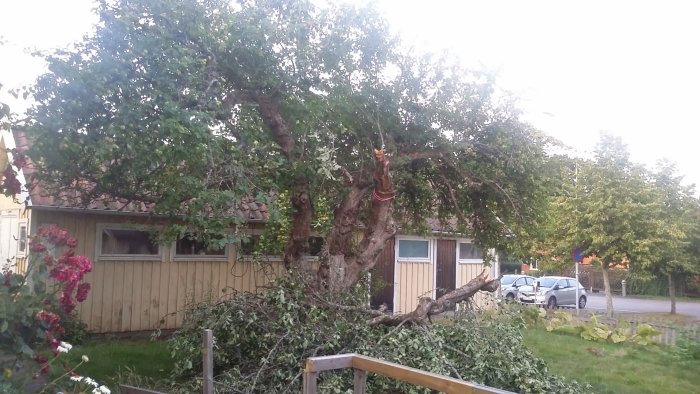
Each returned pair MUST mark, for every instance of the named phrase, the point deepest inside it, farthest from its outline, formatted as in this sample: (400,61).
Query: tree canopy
(194,106)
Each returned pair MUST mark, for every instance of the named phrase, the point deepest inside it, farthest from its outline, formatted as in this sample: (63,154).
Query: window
(469,253)
(126,243)
(253,247)
(414,249)
(189,245)
(22,239)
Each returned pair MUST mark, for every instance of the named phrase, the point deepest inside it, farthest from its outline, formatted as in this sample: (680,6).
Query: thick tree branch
(428,307)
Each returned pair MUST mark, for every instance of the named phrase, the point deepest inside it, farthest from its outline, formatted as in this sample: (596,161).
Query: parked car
(553,291)
(511,284)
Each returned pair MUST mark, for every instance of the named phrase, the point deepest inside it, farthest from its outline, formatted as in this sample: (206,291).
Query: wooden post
(208,361)
(360,381)
(310,382)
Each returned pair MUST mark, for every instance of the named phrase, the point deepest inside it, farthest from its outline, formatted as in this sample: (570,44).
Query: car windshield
(506,280)
(547,282)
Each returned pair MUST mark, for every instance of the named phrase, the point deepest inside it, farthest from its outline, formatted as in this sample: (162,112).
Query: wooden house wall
(12,214)
(413,280)
(138,295)
(469,271)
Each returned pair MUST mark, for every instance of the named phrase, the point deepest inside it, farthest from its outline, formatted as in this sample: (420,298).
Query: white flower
(66,345)
(101,390)
(76,378)
(85,358)
(91,382)
(62,349)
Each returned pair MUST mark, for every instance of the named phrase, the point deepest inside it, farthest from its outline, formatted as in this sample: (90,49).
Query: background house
(140,285)
(136,284)
(412,267)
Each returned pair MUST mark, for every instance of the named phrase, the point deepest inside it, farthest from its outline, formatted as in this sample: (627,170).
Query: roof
(40,197)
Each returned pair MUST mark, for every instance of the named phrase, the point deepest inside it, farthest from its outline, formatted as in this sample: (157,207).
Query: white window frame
(428,259)
(200,257)
(467,261)
(20,224)
(160,256)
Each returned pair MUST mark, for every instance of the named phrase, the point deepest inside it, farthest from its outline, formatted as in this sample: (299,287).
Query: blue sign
(577,255)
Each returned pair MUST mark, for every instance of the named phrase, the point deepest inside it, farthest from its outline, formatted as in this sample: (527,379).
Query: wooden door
(445,269)
(382,286)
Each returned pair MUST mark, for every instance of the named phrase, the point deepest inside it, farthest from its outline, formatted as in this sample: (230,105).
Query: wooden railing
(363,364)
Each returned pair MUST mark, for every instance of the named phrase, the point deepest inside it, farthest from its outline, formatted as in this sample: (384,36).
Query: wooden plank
(147,289)
(359,385)
(310,381)
(138,285)
(107,297)
(422,378)
(208,361)
(173,268)
(327,363)
(127,296)
(163,294)
(154,315)
(118,296)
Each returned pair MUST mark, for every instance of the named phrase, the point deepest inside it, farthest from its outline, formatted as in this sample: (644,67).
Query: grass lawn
(612,368)
(109,357)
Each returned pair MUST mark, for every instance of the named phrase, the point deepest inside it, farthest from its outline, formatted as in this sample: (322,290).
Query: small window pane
(413,249)
(190,246)
(469,251)
(22,241)
(130,242)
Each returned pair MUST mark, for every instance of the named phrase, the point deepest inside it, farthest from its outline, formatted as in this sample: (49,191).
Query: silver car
(511,284)
(553,291)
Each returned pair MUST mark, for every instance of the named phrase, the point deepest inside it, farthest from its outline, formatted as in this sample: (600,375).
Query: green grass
(110,357)
(612,368)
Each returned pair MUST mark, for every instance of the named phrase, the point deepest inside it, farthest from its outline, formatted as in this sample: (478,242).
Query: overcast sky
(630,68)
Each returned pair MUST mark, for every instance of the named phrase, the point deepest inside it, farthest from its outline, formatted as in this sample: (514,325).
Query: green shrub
(262,342)
(687,345)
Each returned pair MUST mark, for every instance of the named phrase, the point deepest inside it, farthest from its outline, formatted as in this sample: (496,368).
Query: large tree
(607,208)
(196,106)
(676,241)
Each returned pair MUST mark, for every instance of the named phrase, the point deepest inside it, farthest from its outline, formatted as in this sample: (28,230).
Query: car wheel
(582,302)
(510,297)
(552,303)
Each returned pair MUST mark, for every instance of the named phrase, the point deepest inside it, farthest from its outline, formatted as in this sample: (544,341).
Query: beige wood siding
(467,272)
(138,295)
(413,280)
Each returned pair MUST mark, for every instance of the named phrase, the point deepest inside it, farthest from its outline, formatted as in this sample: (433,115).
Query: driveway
(596,302)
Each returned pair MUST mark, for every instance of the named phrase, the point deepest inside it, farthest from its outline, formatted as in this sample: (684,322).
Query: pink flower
(83,290)
(37,246)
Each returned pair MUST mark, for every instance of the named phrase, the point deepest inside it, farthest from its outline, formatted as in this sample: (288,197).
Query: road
(596,301)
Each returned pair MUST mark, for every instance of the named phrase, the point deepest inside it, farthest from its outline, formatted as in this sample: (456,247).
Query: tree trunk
(672,292)
(608,291)
(346,261)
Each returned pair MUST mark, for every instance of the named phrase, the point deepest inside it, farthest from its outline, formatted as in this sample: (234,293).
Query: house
(136,285)
(412,267)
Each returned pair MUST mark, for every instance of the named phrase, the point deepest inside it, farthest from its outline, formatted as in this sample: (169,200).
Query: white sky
(631,68)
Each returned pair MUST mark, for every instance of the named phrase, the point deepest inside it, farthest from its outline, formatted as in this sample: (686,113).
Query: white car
(553,291)
(511,284)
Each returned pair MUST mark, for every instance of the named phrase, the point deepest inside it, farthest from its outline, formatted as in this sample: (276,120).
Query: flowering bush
(35,305)
(10,185)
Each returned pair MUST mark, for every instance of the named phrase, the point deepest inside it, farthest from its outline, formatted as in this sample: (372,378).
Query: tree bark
(608,291)
(346,261)
(672,292)
(428,307)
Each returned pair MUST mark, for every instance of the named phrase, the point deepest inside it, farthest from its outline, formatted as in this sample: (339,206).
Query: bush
(262,342)
(36,306)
